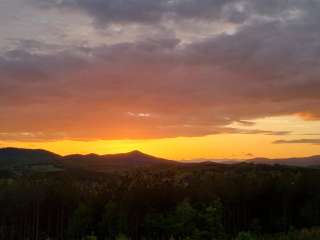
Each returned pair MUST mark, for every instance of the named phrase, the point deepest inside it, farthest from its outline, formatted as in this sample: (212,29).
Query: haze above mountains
(41,160)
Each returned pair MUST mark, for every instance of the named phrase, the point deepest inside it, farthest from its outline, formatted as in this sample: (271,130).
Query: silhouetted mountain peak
(20,158)
(116,161)
(136,152)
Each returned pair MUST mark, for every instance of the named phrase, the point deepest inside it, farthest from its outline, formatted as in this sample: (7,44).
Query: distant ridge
(23,158)
(132,159)
(20,158)
(312,161)
(300,162)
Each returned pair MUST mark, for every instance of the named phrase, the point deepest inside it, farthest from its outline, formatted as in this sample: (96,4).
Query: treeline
(195,202)
(304,234)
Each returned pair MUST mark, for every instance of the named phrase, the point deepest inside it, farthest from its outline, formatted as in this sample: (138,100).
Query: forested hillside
(192,201)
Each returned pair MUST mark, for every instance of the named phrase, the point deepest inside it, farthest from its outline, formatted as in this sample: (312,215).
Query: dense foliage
(243,201)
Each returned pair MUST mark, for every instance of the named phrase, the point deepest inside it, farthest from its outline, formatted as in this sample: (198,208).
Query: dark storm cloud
(161,87)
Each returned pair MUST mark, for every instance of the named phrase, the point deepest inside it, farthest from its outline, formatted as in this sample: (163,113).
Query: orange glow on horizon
(220,146)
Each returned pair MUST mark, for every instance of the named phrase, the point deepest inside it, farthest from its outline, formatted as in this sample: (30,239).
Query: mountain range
(42,160)
(38,159)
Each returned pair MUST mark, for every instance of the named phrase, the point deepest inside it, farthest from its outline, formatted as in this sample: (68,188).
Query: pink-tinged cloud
(162,86)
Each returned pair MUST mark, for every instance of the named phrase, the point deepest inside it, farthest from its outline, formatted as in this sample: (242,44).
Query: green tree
(91,237)
(80,222)
(245,236)
(121,237)
(184,219)
(209,221)
(109,225)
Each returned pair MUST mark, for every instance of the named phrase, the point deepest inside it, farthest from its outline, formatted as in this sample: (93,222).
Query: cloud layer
(173,81)
(299,141)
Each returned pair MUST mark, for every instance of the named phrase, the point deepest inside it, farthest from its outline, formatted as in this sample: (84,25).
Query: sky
(181,79)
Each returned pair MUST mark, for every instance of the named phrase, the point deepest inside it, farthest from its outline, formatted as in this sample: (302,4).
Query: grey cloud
(258,131)
(22,64)
(153,11)
(152,76)
(299,141)
(266,68)
(144,11)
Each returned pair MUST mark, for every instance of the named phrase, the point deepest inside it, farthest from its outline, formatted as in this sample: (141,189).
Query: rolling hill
(35,159)
(18,157)
(100,163)
(21,160)
(313,161)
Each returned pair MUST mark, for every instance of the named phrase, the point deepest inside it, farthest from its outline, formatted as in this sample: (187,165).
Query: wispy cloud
(299,141)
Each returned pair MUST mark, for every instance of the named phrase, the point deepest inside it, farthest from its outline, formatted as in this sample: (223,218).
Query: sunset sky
(181,79)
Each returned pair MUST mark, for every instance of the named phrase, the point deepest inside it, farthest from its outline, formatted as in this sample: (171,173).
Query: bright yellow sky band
(220,146)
